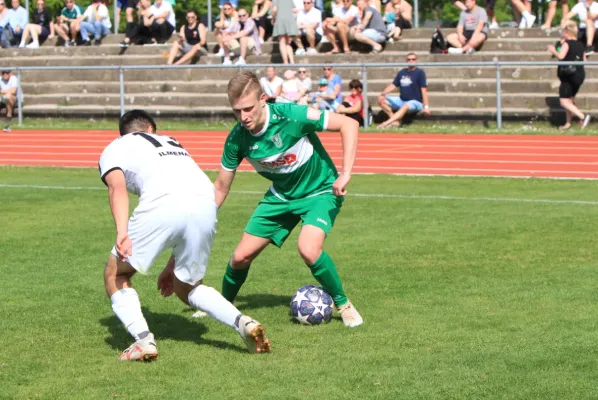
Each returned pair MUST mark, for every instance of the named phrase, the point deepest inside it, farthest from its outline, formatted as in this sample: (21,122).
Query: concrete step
(192,100)
(485,85)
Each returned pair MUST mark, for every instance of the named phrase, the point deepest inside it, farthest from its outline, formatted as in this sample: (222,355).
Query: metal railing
(498,65)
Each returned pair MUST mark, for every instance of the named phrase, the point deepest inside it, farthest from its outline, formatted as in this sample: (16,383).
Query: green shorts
(275,218)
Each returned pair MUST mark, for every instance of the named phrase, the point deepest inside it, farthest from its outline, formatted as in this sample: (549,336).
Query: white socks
(212,302)
(526,14)
(126,306)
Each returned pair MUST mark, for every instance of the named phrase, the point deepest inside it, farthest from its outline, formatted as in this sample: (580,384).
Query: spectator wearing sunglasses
(190,42)
(227,25)
(309,22)
(413,97)
(247,37)
(330,98)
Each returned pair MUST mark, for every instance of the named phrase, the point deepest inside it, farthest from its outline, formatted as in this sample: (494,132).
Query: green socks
(232,281)
(325,273)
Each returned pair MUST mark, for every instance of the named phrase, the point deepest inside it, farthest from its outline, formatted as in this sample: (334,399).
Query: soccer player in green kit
(281,143)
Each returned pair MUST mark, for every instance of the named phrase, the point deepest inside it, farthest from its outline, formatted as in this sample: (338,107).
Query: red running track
(403,154)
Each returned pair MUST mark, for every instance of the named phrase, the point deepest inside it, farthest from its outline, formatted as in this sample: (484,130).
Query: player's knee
(309,252)
(241,258)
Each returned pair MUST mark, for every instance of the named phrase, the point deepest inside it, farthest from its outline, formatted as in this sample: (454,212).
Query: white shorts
(186,226)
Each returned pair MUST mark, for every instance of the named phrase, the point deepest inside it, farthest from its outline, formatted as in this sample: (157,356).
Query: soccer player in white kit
(176,210)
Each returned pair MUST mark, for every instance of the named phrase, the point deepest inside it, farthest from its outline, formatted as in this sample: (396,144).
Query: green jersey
(75,13)
(287,151)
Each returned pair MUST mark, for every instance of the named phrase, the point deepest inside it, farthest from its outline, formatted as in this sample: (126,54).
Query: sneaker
(311,51)
(124,44)
(220,52)
(471,50)
(585,121)
(227,61)
(7,129)
(530,21)
(240,61)
(72,43)
(300,52)
(349,315)
(33,45)
(589,50)
(67,43)
(494,25)
(455,50)
(97,42)
(253,334)
(86,42)
(522,23)
(142,350)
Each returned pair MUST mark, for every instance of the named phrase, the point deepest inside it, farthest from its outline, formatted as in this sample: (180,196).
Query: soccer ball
(311,305)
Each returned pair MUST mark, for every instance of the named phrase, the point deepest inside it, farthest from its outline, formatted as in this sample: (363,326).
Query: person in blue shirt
(17,21)
(334,97)
(413,98)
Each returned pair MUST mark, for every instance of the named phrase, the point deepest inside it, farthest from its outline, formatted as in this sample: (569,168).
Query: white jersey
(155,166)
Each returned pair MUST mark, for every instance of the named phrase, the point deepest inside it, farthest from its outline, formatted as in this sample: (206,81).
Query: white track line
(363,195)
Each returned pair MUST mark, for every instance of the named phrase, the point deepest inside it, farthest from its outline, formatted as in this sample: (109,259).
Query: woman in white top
(96,20)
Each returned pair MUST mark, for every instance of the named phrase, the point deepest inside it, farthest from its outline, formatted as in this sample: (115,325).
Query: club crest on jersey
(276,140)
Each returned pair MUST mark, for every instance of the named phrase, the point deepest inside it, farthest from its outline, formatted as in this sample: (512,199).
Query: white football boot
(253,334)
(349,315)
(142,350)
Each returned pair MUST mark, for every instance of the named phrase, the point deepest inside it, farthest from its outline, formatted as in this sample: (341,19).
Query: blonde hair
(242,84)
(571,27)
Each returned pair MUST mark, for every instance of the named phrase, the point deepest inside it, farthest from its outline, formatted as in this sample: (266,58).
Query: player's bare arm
(119,205)
(222,184)
(349,129)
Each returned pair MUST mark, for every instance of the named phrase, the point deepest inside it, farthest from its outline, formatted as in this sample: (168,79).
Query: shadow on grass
(168,326)
(261,301)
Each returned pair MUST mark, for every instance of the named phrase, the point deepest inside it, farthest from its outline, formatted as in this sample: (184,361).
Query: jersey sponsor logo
(282,161)
(276,140)
(254,147)
(320,220)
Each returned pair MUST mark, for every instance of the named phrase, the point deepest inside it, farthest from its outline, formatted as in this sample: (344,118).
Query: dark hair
(355,84)
(136,121)
(192,11)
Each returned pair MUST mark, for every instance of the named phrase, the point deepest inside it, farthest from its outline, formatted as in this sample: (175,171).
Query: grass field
(470,288)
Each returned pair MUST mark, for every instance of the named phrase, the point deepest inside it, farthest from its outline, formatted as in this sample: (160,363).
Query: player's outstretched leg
(126,306)
(208,299)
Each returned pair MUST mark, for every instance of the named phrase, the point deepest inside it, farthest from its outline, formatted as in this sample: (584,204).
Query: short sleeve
(461,19)
(422,79)
(483,15)
(63,12)
(309,119)
(231,155)
(397,80)
(112,158)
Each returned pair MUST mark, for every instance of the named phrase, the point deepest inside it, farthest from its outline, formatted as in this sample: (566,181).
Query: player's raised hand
(339,187)
(124,246)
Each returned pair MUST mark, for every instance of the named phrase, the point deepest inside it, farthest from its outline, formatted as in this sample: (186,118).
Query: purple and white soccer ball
(311,305)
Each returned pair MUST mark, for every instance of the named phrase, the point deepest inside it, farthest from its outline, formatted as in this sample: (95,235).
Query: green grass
(462,298)
(420,126)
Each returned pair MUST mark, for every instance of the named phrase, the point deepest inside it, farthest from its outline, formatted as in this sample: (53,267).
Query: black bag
(567,70)
(439,44)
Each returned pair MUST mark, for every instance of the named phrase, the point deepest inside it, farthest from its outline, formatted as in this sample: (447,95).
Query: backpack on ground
(439,44)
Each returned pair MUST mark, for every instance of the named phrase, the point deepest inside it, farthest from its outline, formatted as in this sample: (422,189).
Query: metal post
(209,15)
(498,99)
(19,97)
(114,20)
(26,9)
(122,91)
(364,83)
(416,13)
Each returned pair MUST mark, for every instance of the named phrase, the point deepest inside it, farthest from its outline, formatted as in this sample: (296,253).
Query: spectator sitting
(319,99)
(371,29)
(343,19)
(69,21)
(305,85)
(8,95)
(262,15)
(3,16)
(522,9)
(413,97)
(17,22)
(398,15)
(335,83)
(309,23)
(587,29)
(162,21)
(291,89)
(271,85)
(191,40)
(41,29)
(472,30)
(352,105)
(96,21)
(247,37)
(139,32)
(228,25)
